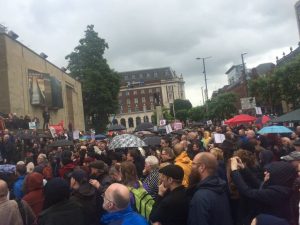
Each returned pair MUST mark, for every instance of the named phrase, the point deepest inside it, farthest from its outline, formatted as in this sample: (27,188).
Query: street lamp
(204,72)
(244,72)
(243,62)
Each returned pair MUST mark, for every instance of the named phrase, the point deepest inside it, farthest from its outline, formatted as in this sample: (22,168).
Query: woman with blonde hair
(206,139)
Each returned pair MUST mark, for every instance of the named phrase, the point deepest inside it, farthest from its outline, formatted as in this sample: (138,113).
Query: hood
(183,158)
(266,157)
(85,191)
(212,183)
(109,217)
(34,181)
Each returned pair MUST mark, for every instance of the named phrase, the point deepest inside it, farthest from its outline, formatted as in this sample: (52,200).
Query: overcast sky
(144,34)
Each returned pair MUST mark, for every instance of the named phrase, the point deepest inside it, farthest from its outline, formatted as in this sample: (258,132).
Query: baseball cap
(293,156)
(173,171)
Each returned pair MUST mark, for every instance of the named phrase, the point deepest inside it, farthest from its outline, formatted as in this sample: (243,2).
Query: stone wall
(20,59)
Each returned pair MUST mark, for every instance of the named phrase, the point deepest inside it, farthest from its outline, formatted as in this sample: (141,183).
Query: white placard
(209,122)
(162,122)
(258,111)
(177,126)
(32,125)
(169,129)
(76,134)
(219,138)
(52,131)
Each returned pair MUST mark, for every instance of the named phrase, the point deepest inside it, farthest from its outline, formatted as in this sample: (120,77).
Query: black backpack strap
(21,210)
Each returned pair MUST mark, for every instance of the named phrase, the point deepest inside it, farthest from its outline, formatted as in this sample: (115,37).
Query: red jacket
(34,192)
(66,169)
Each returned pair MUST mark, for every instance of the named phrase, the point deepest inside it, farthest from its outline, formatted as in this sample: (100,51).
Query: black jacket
(88,198)
(62,213)
(210,204)
(270,199)
(171,209)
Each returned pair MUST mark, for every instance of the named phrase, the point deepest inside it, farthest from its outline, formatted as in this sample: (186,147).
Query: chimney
(13,35)
(43,55)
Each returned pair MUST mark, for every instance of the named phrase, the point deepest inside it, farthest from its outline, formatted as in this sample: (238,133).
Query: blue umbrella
(97,137)
(275,130)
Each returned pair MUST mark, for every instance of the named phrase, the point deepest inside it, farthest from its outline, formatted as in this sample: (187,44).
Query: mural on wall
(44,90)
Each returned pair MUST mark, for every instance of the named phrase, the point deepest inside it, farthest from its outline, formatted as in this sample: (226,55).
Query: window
(136,108)
(127,93)
(152,106)
(155,74)
(128,100)
(121,109)
(150,91)
(133,76)
(126,77)
(141,75)
(151,98)
(157,89)
(143,91)
(129,109)
(136,100)
(134,92)
(148,75)
(143,100)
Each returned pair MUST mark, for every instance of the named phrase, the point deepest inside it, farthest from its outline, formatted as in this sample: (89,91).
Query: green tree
(100,84)
(222,106)
(288,76)
(197,113)
(180,104)
(266,90)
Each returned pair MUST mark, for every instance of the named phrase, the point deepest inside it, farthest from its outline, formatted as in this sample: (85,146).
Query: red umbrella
(242,118)
(262,120)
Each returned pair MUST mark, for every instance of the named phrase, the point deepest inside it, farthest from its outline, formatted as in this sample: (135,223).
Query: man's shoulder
(134,219)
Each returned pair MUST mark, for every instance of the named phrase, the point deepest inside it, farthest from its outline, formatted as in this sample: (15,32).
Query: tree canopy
(100,84)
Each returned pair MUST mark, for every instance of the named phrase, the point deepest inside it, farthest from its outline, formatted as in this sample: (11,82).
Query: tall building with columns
(142,90)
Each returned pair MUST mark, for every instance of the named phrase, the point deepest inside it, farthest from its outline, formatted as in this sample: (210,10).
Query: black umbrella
(60,143)
(293,116)
(116,127)
(144,126)
(152,141)
(26,136)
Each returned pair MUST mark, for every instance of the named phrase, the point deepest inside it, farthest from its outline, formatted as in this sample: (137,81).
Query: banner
(177,126)
(44,90)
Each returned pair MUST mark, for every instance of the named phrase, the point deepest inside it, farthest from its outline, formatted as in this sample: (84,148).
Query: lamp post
(244,72)
(204,72)
(243,62)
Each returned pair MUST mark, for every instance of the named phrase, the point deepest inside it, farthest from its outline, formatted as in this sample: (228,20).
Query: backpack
(143,201)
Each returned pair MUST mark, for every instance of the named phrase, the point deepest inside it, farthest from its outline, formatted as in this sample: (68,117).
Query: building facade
(29,83)
(141,91)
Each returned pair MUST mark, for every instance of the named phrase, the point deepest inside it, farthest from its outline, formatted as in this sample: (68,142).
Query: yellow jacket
(186,164)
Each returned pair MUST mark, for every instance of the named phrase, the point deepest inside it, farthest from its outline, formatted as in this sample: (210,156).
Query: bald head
(208,160)
(178,148)
(119,194)
(3,189)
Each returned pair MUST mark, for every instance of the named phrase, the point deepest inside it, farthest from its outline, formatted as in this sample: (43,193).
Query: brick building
(142,90)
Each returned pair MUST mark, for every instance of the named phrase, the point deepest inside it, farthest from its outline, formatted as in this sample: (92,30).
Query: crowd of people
(187,179)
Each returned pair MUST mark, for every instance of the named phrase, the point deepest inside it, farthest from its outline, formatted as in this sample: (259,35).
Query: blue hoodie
(124,217)
(17,188)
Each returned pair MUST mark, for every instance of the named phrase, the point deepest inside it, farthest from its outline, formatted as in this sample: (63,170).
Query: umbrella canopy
(293,116)
(144,126)
(60,143)
(152,141)
(97,137)
(262,120)
(116,127)
(242,118)
(275,130)
(126,141)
